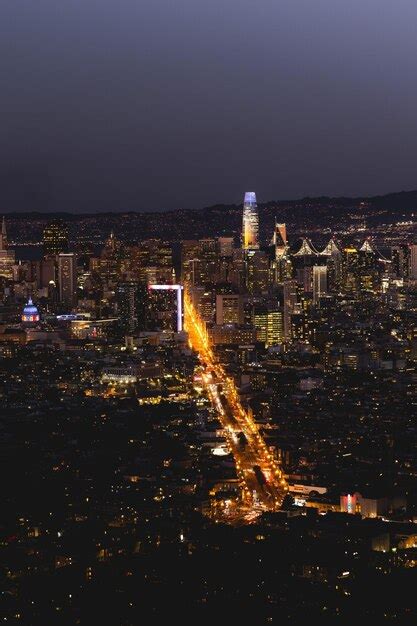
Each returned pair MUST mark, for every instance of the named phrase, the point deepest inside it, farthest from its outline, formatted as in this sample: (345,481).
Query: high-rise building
(229,309)
(131,298)
(413,261)
(350,271)
(361,270)
(225,246)
(279,240)
(3,235)
(275,334)
(269,324)
(319,282)
(55,238)
(47,272)
(250,225)
(67,279)
(282,268)
(400,261)
(369,269)
(305,278)
(190,253)
(260,321)
(290,305)
(200,261)
(334,262)
(204,301)
(257,271)
(7,256)
(165,310)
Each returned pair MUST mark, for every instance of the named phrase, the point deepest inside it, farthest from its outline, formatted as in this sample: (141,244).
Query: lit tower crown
(250,226)
(279,239)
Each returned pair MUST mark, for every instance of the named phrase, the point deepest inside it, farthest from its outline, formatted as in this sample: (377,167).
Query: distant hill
(302,215)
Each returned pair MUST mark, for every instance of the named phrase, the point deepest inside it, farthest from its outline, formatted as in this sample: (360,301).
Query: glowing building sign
(178,289)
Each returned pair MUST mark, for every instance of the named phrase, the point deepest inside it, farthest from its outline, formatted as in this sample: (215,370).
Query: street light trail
(262,482)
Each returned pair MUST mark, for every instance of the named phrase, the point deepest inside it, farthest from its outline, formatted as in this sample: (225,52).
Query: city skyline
(223,394)
(208,312)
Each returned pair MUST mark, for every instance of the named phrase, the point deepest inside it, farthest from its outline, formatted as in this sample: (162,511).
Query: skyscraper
(413,261)
(257,271)
(225,246)
(269,324)
(3,235)
(55,238)
(67,279)
(279,239)
(165,310)
(290,305)
(319,282)
(131,297)
(250,225)
(7,256)
(229,309)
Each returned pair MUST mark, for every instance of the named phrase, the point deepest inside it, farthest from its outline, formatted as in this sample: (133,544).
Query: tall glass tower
(250,226)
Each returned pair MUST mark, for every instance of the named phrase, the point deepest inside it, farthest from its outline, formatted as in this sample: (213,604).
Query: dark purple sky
(153,104)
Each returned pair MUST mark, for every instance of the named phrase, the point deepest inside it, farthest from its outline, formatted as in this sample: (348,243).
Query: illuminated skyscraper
(225,246)
(279,240)
(132,299)
(250,226)
(55,237)
(3,235)
(7,256)
(166,307)
(229,309)
(290,305)
(319,282)
(67,279)
(400,257)
(269,324)
(257,271)
(413,261)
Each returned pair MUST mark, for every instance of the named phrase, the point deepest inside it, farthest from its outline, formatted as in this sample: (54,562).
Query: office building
(269,324)
(319,282)
(67,280)
(250,225)
(165,311)
(7,256)
(413,261)
(257,271)
(279,240)
(290,305)
(55,238)
(229,309)
(131,298)
(225,246)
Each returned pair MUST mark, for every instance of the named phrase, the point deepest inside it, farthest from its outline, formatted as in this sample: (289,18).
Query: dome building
(30,313)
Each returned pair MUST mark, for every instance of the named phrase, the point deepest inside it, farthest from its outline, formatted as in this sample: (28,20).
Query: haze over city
(182,104)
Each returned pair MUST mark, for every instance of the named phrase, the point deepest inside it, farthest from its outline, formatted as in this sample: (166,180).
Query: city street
(262,483)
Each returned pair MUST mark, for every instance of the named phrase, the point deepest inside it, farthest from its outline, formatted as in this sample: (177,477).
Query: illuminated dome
(30,312)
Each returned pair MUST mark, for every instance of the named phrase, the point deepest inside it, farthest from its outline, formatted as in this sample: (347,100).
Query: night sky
(157,104)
